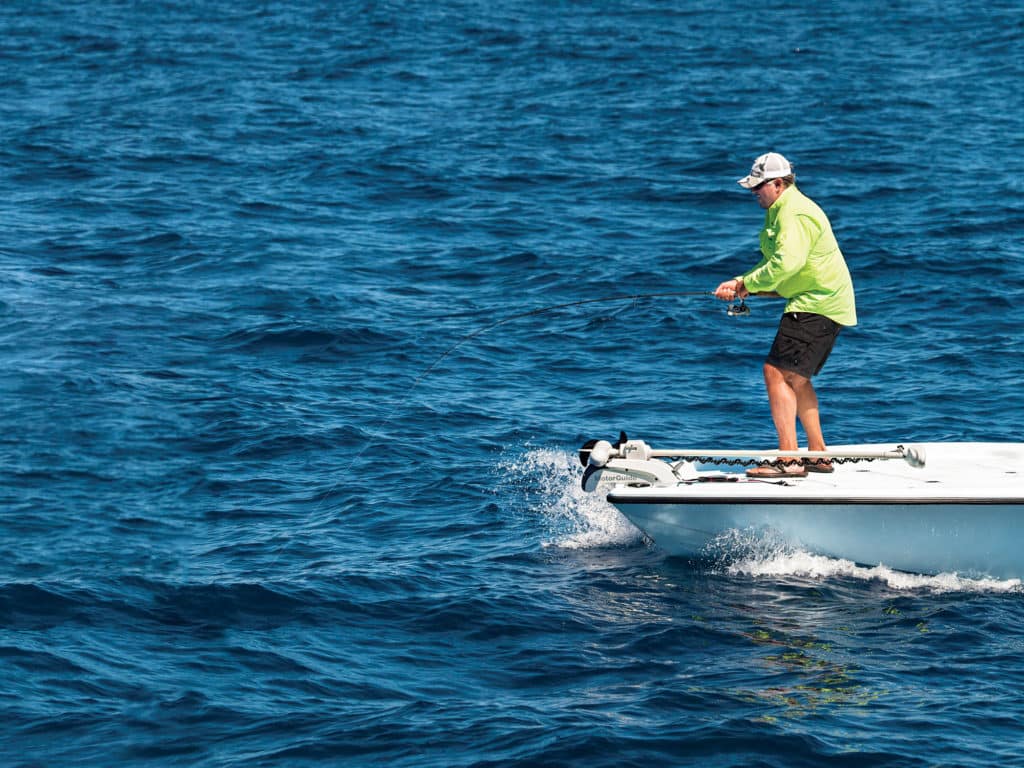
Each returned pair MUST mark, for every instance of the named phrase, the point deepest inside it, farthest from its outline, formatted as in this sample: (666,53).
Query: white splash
(575,519)
(773,560)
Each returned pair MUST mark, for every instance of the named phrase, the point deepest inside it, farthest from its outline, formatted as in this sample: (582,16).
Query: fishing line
(733,310)
(542,310)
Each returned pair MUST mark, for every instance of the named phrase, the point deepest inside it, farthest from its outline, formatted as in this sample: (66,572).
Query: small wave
(760,554)
(550,482)
(289,337)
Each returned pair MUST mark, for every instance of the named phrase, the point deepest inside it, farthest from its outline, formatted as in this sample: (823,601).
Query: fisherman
(802,263)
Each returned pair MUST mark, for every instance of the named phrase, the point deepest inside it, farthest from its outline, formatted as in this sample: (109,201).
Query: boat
(930,508)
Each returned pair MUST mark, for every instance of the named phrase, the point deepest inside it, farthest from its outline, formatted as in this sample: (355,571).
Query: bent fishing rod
(734,309)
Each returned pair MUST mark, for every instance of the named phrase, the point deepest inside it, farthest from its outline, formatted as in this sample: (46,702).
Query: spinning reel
(738,310)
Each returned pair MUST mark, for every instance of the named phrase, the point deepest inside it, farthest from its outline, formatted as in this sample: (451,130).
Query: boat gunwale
(638,499)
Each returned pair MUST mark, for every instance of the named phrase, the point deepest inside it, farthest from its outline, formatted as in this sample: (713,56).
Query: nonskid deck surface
(954,471)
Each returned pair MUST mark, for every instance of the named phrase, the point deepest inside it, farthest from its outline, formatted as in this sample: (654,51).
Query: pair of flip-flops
(791,469)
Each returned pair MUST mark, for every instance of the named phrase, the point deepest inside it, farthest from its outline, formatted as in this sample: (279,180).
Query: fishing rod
(733,310)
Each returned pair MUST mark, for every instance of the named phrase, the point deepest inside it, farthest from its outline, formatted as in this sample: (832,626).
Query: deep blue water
(279,484)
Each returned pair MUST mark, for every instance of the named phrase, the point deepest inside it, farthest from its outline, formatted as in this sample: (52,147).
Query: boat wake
(550,482)
(763,554)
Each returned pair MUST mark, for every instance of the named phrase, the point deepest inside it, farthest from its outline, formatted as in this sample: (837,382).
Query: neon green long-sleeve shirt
(801,260)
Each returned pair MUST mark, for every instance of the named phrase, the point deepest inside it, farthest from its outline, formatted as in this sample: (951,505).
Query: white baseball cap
(768,166)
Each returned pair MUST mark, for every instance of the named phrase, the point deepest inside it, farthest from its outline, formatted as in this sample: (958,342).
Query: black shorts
(803,342)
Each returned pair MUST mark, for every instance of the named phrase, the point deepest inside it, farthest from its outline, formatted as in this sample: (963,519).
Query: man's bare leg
(807,410)
(784,404)
(791,395)
(782,399)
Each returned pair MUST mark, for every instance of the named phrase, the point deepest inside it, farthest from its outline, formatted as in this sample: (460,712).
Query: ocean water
(287,469)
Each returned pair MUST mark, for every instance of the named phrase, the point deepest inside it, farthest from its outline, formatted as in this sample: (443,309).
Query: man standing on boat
(802,263)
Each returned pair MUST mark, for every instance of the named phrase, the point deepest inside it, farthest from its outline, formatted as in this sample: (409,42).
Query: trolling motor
(625,462)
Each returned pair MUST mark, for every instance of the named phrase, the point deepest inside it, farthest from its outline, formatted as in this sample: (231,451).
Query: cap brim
(749,182)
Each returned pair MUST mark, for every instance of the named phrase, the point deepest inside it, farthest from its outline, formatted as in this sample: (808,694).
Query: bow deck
(943,507)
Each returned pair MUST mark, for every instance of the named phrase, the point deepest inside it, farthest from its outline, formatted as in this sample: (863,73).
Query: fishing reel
(738,310)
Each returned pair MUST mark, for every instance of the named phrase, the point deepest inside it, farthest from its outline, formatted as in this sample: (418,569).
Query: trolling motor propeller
(597,452)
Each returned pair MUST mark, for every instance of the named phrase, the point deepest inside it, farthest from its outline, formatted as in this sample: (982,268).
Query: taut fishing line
(542,310)
(733,310)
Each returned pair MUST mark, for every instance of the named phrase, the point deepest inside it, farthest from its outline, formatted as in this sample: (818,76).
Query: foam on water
(573,518)
(809,565)
(764,554)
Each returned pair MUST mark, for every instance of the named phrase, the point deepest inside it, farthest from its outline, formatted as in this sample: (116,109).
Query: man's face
(767,192)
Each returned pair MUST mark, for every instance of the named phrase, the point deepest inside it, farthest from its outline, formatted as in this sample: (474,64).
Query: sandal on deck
(819,465)
(770,471)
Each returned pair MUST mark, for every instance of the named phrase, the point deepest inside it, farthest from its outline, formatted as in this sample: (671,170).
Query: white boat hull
(963,512)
